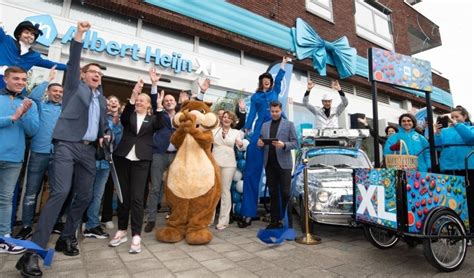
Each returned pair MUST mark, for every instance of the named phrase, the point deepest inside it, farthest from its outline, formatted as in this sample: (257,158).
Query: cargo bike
(417,207)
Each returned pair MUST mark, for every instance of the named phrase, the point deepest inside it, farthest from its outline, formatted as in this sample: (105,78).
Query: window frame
(382,40)
(312,6)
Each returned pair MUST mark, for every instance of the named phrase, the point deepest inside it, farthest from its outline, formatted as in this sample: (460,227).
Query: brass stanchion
(307,238)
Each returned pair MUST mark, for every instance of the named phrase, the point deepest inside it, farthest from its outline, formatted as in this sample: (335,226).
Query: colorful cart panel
(376,197)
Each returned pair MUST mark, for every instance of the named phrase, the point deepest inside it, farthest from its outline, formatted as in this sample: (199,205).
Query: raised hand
(159,99)
(335,85)
(310,85)
(136,90)
(83,26)
(154,76)
(363,121)
(183,96)
(52,73)
(242,106)
(205,85)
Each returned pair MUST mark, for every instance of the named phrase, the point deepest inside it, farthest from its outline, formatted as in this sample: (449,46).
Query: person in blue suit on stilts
(267,92)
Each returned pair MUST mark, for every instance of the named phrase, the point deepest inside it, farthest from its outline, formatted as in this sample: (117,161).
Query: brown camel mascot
(193,183)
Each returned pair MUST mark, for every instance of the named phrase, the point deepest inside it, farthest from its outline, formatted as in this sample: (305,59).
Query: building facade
(187,42)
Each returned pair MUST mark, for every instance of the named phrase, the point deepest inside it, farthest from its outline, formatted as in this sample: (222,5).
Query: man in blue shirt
(18,118)
(49,109)
(81,124)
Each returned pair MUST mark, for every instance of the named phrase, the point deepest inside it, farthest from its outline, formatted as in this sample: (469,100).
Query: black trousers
(69,160)
(107,210)
(133,176)
(469,192)
(278,183)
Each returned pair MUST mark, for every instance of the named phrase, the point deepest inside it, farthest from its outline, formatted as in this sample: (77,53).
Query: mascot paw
(199,237)
(169,235)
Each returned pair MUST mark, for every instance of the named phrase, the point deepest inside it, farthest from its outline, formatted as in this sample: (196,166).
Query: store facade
(128,47)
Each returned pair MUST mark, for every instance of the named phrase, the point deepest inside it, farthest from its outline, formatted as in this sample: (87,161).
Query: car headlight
(323,196)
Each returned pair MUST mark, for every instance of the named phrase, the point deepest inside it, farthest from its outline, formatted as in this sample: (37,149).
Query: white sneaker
(119,238)
(10,248)
(220,227)
(136,246)
(109,225)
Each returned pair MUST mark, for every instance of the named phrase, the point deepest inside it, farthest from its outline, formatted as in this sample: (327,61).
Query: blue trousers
(252,175)
(37,166)
(69,159)
(9,172)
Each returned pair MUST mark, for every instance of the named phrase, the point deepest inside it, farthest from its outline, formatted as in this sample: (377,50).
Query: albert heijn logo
(46,24)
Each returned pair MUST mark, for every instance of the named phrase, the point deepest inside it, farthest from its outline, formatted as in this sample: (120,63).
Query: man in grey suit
(278,137)
(81,125)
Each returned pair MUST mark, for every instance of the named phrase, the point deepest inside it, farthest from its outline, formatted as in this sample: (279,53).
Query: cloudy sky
(454,58)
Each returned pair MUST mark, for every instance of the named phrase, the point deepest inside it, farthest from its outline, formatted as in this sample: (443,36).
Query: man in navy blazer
(81,124)
(278,162)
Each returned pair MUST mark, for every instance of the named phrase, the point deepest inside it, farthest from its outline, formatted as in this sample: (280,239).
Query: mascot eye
(202,111)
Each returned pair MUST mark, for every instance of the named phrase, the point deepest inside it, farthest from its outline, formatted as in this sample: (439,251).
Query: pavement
(236,252)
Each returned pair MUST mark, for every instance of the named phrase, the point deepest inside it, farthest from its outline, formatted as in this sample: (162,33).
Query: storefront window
(373,25)
(321,8)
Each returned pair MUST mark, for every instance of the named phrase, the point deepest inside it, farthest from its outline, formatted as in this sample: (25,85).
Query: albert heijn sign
(94,42)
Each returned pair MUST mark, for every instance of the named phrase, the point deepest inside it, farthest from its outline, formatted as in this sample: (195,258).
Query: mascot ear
(176,118)
(208,103)
(210,121)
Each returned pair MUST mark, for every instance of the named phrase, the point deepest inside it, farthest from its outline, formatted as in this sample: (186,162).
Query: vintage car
(331,155)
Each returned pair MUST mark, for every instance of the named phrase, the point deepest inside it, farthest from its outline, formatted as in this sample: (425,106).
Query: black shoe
(67,246)
(244,222)
(58,228)
(274,225)
(96,232)
(158,208)
(25,233)
(149,226)
(28,265)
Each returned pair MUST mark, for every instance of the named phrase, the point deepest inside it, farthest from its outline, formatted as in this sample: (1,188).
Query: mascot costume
(193,182)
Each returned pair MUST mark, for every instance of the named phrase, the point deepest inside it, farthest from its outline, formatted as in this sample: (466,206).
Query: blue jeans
(37,166)
(9,172)
(101,177)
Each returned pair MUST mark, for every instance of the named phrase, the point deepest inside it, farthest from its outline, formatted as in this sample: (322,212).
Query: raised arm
(310,107)
(280,75)
(344,102)
(73,65)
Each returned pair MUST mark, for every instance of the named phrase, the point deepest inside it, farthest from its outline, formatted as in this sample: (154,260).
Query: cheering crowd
(70,124)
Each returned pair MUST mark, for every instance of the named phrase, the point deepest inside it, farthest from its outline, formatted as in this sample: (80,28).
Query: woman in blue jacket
(17,51)
(260,107)
(456,142)
(416,143)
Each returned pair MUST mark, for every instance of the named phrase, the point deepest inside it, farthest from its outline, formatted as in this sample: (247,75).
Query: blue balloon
(241,164)
(237,207)
(240,155)
(232,186)
(236,197)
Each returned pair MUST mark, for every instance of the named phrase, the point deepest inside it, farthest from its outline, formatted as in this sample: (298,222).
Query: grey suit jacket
(287,134)
(72,123)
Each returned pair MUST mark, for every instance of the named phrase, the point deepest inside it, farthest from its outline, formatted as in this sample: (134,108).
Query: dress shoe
(244,222)
(28,265)
(274,225)
(149,226)
(67,246)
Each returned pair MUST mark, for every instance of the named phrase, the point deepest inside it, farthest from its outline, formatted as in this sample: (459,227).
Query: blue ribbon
(46,254)
(308,44)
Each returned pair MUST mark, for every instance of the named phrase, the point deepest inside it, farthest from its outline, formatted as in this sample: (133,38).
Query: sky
(454,58)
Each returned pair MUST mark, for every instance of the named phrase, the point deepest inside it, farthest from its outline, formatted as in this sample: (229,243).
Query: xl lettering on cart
(367,203)
(94,42)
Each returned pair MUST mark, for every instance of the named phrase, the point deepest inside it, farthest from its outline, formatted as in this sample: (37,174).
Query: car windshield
(339,161)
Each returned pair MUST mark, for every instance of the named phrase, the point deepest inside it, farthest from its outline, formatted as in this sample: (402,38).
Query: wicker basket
(402,161)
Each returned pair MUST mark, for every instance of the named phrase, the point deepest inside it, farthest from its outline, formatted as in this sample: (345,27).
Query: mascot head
(197,111)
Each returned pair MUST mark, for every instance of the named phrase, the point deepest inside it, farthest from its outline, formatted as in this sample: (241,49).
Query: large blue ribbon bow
(308,44)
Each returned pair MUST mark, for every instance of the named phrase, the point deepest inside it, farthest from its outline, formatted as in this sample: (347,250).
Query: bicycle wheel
(444,253)
(380,238)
